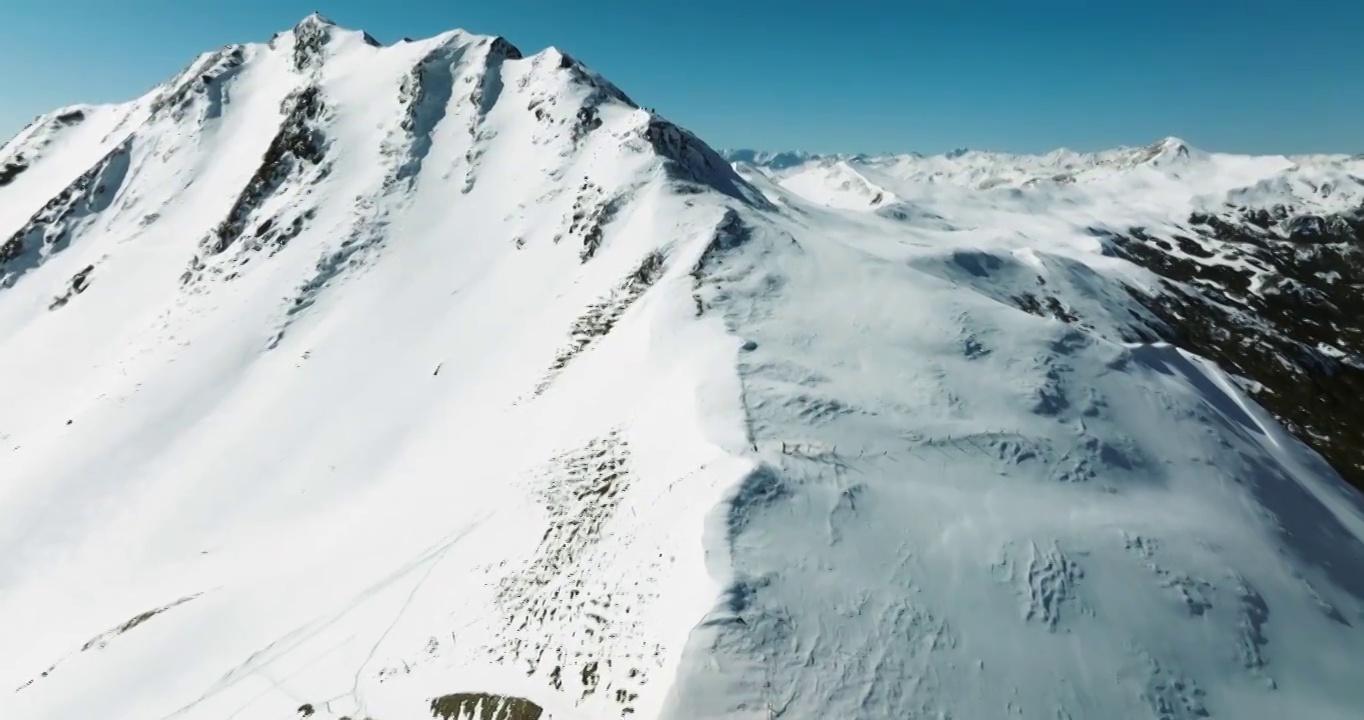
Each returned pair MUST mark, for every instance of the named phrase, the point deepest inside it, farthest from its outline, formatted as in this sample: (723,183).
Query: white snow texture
(339,378)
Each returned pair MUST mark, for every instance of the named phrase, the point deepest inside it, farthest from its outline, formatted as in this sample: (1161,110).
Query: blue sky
(821,75)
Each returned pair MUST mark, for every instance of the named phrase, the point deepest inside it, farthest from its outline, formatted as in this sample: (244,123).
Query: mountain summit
(440,380)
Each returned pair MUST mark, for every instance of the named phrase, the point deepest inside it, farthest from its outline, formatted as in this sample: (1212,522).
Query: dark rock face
(11,249)
(203,78)
(70,118)
(77,285)
(691,160)
(592,212)
(50,229)
(310,38)
(484,706)
(502,49)
(296,142)
(11,169)
(1277,299)
(730,233)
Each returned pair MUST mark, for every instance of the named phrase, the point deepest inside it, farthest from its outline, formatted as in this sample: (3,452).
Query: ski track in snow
(385,382)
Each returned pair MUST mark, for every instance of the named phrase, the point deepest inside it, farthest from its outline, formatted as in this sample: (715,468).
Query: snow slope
(435,380)
(1256,262)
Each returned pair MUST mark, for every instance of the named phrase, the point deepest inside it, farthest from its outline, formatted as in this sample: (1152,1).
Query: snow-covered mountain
(436,380)
(1254,262)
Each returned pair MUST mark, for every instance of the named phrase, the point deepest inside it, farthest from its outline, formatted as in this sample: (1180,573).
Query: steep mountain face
(440,380)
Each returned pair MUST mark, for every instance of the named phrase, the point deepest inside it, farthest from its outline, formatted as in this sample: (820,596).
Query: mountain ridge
(1220,246)
(760,157)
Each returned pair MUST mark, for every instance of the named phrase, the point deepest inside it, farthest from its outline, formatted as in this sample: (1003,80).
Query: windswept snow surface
(431,380)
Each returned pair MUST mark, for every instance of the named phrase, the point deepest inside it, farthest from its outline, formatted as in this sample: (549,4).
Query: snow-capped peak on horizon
(1171,164)
(1170,145)
(351,381)
(316,18)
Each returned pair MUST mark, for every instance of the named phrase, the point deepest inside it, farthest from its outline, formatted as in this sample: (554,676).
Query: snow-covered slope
(1255,262)
(434,380)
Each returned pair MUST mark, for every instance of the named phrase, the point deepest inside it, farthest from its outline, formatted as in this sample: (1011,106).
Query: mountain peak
(314,20)
(1175,146)
(316,29)
(314,33)
(1169,152)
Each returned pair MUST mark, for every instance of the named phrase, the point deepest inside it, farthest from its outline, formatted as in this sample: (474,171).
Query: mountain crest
(312,22)
(1169,151)
(311,36)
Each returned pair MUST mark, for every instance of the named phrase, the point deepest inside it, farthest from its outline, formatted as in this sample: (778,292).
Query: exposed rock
(298,142)
(50,229)
(601,316)
(1269,325)
(204,77)
(484,706)
(11,169)
(79,282)
(71,117)
(690,160)
(311,36)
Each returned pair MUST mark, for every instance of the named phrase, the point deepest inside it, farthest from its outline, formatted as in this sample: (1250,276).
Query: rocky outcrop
(10,169)
(297,144)
(52,228)
(689,160)
(311,36)
(1276,298)
(204,78)
(601,316)
(484,706)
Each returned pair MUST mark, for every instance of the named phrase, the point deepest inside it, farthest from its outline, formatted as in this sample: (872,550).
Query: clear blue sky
(822,75)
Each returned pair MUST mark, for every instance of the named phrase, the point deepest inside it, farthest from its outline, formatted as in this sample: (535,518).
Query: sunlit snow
(429,380)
